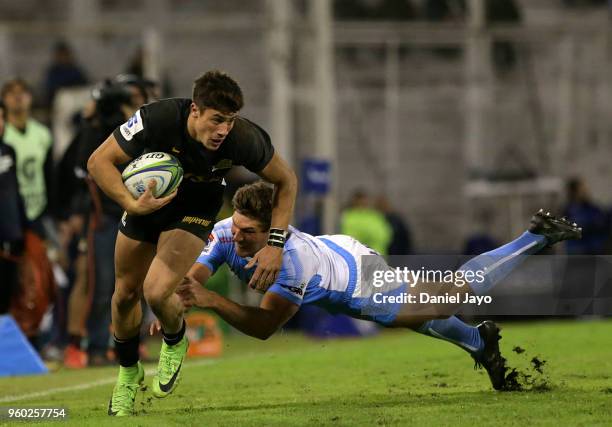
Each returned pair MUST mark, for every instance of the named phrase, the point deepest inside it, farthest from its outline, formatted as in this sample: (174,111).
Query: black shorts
(195,218)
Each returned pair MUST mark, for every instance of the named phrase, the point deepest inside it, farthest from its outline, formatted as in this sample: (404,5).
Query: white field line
(85,386)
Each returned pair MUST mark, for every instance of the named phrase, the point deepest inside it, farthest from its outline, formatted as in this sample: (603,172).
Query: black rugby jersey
(162,126)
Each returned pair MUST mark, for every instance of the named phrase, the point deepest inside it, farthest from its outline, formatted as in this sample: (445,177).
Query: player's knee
(124,297)
(155,295)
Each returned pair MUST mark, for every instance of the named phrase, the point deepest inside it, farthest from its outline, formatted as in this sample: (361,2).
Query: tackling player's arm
(259,322)
(269,259)
(199,273)
(102,166)
(197,276)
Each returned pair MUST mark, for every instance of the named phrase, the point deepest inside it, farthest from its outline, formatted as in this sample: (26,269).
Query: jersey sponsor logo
(28,168)
(212,240)
(195,220)
(222,164)
(125,132)
(132,126)
(295,289)
(210,245)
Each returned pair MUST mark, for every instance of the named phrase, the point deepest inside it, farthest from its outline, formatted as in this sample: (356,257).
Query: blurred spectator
(32,144)
(401,238)
(12,221)
(73,238)
(593,220)
(480,240)
(579,280)
(62,72)
(366,224)
(71,304)
(74,298)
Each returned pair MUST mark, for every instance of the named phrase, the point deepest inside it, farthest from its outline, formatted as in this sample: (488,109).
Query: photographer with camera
(93,225)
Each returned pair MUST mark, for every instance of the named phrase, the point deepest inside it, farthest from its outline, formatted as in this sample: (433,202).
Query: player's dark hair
(255,201)
(217,90)
(10,84)
(2,110)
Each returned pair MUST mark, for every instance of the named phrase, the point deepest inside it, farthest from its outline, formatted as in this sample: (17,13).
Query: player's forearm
(108,178)
(284,200)
(253,321)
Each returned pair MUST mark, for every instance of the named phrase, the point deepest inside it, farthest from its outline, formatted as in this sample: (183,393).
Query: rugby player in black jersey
(159,239)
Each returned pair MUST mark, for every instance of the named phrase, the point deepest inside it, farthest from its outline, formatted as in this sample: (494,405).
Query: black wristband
(277,237)
(276,244)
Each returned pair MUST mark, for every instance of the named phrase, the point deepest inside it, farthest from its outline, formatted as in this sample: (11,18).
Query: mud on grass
(533,378)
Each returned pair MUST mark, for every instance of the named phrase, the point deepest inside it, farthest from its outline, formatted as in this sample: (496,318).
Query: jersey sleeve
(289,284)
(254,148)
(151,128)
(131,135)
(214,254)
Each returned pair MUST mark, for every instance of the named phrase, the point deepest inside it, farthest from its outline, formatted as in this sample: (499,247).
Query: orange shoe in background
(74,357)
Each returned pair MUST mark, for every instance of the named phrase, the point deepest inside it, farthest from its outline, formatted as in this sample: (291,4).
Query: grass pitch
(395,378)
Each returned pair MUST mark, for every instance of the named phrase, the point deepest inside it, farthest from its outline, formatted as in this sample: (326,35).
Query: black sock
(173,339)
(127,350)
(75,340)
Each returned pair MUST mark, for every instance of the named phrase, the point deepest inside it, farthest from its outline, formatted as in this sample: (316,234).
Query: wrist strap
(277,237)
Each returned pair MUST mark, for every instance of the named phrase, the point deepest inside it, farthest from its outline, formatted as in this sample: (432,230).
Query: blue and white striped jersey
(316,269)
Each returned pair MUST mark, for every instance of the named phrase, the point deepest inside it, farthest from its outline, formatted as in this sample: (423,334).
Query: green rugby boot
(130,380)
(171,359)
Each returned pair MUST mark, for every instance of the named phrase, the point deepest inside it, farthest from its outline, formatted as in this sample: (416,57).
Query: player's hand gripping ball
(163,168)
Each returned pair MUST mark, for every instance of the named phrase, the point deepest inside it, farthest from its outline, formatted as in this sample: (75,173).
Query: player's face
(248,234)
(18,100)
(210,126)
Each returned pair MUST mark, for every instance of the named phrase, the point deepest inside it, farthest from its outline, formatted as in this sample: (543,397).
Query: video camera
(111,94)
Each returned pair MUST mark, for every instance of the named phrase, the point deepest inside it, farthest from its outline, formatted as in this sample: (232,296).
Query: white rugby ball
(163,168)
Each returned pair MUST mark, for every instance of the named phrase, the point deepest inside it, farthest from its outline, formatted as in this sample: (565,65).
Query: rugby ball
(163,168)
